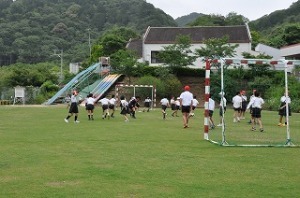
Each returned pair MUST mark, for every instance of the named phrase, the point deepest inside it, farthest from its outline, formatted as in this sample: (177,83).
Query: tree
(216,48)
(234,19)
(124,62)
(291,34)
(179,54)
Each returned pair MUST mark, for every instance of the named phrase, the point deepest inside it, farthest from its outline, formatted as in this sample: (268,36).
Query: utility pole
(90,47)
(61,77)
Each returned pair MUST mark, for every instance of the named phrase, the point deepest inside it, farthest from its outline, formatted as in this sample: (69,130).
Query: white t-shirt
(90,100)
(211,104)
(224,102)
(285,99)
(256,102)
(164,101)
(104,101)
(186,98)
(195,102)
(112,101)
(124,103)
(237,101)
(148,100)
(73,99)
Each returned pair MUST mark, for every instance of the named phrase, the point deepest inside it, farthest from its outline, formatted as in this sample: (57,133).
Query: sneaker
(66,120)
(279,124)
(126,120)
(283,125)
(219,125)
(253,129)
(261,130)
(76,122)
(234,120)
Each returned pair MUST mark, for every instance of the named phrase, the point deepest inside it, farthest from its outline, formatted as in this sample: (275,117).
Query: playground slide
(104,85)
(78,78)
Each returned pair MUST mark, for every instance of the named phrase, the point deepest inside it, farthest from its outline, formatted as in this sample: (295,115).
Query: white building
(155,38)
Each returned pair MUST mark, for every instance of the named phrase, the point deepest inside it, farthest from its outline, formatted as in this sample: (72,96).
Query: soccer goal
(230,132)
(143,91)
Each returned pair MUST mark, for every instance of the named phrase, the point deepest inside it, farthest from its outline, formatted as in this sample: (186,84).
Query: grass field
(42,156)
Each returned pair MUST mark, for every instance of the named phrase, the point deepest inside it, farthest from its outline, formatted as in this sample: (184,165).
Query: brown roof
(167,35)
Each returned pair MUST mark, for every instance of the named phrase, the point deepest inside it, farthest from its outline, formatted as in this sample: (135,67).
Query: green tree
(216,48)
(291,34)
(178,54)
(125,62)
(235,19)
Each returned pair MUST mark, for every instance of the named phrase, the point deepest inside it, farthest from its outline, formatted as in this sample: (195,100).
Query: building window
(155,57)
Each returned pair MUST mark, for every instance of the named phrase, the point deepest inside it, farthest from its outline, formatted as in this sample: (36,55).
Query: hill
(280,28)
(30,30)
(184,20)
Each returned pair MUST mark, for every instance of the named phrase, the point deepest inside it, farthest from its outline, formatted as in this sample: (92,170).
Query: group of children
(240,106)
(239,102)
(108,107)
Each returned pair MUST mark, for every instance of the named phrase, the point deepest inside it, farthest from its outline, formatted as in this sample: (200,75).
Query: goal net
(233,128)
(143,91)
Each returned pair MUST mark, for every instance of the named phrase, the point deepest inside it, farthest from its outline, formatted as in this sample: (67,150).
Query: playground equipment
(98,88)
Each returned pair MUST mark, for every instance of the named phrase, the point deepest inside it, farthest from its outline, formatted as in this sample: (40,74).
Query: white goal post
(152,87)
(222,62)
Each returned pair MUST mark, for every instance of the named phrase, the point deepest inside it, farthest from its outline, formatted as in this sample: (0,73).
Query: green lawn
(42,156)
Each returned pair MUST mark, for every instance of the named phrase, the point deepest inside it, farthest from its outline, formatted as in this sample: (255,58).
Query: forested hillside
(30,30)
(279,28)
(182,21)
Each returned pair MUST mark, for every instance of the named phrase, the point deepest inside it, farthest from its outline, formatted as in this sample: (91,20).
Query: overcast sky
(251,9)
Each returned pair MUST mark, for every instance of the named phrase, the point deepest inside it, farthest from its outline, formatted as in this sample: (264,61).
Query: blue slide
(98,88)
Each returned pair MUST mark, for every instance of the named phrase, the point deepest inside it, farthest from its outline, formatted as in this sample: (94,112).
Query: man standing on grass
(186,103)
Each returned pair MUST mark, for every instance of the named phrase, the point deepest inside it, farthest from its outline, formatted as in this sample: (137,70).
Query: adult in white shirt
(186,103)
(237,105)
(256,102)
